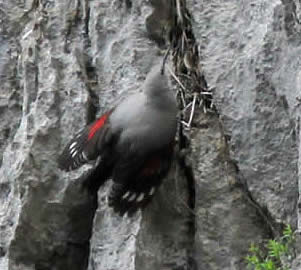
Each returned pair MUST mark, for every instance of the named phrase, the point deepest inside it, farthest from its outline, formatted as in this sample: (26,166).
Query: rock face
(255,80)
(62,63)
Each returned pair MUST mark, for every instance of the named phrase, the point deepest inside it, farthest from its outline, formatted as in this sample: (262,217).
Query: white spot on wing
(74,153)
(132,197)
(125,195)
(84,156)
(98,160)
(72,145)
(140,198)
(152,191)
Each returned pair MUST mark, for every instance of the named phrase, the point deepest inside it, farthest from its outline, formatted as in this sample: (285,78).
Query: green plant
(276,253)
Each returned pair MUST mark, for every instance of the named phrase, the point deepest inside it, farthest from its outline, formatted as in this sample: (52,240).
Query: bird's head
(156,82)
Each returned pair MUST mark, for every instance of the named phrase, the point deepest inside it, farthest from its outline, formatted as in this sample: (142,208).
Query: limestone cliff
(236,180)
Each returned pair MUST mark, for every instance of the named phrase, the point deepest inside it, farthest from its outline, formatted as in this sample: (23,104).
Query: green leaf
(252,260)
(288,232)
(288,235)
(253,249)
(268,265)
(275,249)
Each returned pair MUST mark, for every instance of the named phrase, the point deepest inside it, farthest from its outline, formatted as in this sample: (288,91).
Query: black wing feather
(134,188)
(73,155)
(82,149)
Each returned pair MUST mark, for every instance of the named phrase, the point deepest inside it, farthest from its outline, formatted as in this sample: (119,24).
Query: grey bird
(133,144)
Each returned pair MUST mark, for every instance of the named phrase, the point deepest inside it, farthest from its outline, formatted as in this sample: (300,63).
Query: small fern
(277,251)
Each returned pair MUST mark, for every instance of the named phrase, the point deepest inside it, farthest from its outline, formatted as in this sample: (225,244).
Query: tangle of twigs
(193,91)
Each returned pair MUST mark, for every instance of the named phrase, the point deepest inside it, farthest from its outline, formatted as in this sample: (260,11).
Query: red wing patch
(97,125)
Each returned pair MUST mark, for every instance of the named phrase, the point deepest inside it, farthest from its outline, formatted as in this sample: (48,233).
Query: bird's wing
(136,180)
(96,177)
(85,145)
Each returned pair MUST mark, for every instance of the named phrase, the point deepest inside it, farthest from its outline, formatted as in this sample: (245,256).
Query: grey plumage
(135,142)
